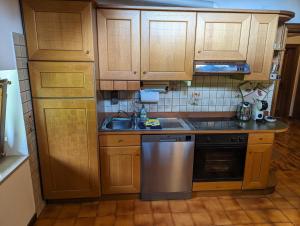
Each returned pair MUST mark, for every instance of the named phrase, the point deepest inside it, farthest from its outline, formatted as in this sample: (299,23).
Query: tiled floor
(281,208)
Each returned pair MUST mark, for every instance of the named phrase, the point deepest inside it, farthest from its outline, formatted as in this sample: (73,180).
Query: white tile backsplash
(216,93)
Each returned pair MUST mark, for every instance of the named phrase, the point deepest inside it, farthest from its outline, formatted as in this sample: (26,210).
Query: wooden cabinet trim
(133,53)
(260,49)
(189,19)
(261,138)
(52,182)
(119,140)
(30,9)
(62,79)
(201,51)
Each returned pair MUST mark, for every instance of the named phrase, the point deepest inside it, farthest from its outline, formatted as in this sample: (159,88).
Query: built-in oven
(219,157)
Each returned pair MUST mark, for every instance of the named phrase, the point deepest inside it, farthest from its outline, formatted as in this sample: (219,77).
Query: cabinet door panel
(120,169)
(119,44)
(222,36)
(260,50)
(257,166)
(58,30)
(167,46)
(67,142)
(62,79)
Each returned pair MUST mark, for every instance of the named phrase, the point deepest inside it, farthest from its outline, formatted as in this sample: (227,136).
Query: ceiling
(173,3)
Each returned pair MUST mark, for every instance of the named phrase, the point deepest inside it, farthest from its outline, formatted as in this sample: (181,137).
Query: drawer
(261,138)
(62,79)
(119,140)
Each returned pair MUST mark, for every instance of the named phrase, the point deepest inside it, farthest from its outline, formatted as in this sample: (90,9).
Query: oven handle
(244,145)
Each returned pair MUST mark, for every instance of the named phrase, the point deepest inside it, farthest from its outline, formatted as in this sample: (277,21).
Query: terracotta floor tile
(69,211)
(125,207)
(238,217)
(163,219)
(293,215)
(124,220)
(255,203)
(257,216)
(85,221)
(88,210)
(294,201)
(220,218)
(105,220)
(212,204)
(275,215)
(44,222)
(51,211)
(144,219)
(195,205)
(160,206)
(182,219)
(229,204)
(285,191)
(284,224)
(142,206)
(65,222)
(106,208)
(202,218)
(178,206)
(281,203)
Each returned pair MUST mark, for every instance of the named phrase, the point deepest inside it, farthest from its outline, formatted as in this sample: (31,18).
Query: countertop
(245,127)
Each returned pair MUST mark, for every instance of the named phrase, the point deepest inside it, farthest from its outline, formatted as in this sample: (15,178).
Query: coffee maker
(258,109)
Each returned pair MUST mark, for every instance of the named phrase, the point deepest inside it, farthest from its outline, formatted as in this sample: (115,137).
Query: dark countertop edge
(137,132)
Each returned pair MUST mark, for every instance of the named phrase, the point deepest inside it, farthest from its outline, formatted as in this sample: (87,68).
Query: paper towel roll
(149,96)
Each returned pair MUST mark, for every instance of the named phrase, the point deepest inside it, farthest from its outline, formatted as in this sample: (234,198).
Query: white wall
(16,195)
(15,134)
(10,21)
(290,5)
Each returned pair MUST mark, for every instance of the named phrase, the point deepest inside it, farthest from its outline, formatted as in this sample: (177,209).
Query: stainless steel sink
(118,124)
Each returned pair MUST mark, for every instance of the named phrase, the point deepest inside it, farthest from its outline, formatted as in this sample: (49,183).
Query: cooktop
(214,123)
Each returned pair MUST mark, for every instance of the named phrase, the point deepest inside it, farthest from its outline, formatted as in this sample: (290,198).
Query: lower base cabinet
(120,169)
(67,140)
(257,166)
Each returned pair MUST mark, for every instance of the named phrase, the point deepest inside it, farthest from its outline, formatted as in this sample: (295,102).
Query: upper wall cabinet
(119,44)
(58,30)
(222,36)
(167,45)
(260,50)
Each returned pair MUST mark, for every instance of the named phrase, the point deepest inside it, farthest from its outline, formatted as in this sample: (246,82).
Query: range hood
(229,67)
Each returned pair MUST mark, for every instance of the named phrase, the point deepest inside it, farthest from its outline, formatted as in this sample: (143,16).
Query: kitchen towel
(149,96)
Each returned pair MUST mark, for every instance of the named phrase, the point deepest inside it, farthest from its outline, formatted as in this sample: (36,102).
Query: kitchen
(152,113)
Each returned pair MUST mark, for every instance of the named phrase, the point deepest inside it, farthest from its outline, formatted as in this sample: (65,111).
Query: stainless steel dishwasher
(167,166)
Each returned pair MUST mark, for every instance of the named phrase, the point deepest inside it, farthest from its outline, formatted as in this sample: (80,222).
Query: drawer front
(62,79)
(261,138)
(119,140)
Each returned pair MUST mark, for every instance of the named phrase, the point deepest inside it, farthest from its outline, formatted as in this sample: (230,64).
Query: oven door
(213,162)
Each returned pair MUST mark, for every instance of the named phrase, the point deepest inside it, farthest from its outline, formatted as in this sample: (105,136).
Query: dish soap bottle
(143,113)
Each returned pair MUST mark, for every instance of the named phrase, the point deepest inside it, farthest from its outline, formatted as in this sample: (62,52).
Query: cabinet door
(119,44)
(261,41)
(67,140)
(257,166)
(222,36)
(58,30)
(167,46)
(120,169)
(62,79)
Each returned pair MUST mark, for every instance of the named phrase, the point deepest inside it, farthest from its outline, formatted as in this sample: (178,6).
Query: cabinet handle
(199,51)
(87,52)
(144,72)
(120,141)
(134,72)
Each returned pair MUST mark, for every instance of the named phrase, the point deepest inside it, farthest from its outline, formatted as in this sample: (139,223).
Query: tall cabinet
(61,53)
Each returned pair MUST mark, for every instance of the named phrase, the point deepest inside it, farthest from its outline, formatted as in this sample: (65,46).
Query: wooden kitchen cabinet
(260,49)
(62,79)
(119,44)
(257,166)
(67,140)
(58,30)
(222,36)
(167,45)
(120,169)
